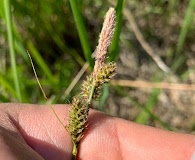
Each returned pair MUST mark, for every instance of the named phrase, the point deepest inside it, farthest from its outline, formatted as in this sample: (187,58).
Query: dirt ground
(174,107)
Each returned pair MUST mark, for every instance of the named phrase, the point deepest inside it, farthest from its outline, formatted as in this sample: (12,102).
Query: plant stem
(11,47)
(82,32)
(91,94)
(74,151)
(114,47)
(185,27)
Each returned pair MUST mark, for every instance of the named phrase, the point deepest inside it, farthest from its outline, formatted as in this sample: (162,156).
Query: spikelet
(105,39)
(78,116)
(105,73)
(86,86)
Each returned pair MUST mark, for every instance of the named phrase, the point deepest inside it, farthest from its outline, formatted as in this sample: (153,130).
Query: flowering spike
(105,39)
(92,86)
(78,118)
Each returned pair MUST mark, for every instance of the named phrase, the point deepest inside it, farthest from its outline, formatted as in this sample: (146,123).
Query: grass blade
(4,99)
(2,11)
(185,27)
(6,86)
(11,47)
(81,31)
(103,97)
(114,48)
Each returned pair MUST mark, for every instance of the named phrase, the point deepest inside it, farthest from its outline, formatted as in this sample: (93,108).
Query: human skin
(33,132)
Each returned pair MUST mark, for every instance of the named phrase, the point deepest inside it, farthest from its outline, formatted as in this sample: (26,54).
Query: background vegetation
(61,35)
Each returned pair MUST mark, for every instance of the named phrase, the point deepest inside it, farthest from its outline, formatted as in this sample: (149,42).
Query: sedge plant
(92,86)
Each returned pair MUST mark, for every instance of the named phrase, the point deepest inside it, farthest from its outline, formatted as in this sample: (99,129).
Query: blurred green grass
(61,36)
(49,38)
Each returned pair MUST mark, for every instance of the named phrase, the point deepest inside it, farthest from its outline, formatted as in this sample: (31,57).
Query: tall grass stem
(114,47)
(82,32)
(11,48)
(185,27)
